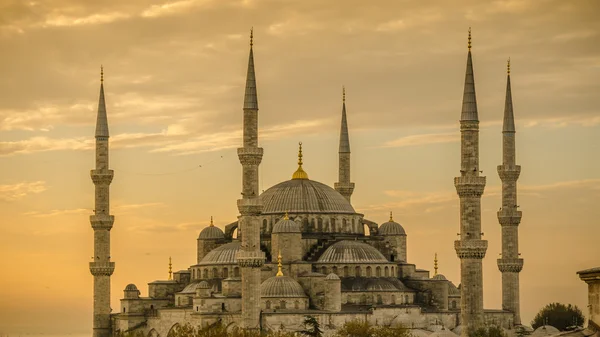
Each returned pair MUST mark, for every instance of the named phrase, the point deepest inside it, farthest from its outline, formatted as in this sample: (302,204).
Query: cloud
(416,140)
(42,144)
(18,191)
(118,209)
(93,19)
(173,8)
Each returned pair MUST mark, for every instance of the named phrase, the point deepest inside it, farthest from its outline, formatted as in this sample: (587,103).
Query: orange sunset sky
(174,82)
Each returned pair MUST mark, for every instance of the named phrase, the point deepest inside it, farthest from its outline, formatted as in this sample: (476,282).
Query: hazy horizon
(174,83)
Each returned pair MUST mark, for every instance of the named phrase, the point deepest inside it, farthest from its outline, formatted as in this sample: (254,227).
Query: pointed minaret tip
(250,96)
(344,137)
(469,43)
(508,124)
(469,106)
(101,119)
(435,265)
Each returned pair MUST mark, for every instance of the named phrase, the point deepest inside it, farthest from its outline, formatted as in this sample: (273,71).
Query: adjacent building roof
(347,251)
(304,196)
(281,286)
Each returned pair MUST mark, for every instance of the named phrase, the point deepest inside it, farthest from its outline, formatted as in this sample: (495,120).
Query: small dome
(391,228)
(281,286)
(332,276)
(351,252)
(203,285)
(439,277)
(224,254)
(130,287)
(286,225)
(378,284)
(443,333)
(211,233)
(545,330)
(453,290)
(191,288)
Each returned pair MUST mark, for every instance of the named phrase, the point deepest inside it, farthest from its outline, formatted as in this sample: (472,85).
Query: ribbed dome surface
(191,288)
(211,232)
(332,276)
(377,284)
(351,252)
(391,228)
(224,254)
(439,277)
(131,286)
(453,290)
(281,286)
(286,226)
(304,196)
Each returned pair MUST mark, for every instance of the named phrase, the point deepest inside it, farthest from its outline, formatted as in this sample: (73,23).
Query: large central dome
(304,196)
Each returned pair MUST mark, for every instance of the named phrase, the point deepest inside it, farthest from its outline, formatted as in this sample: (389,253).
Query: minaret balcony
(509,217)
(250,205)
(469,125)
(102,221)
(510,265)
(102,268)
(344,188)
(469,186)
(470,249)
(102,177)
(509,172)
(251,258)
(250,155)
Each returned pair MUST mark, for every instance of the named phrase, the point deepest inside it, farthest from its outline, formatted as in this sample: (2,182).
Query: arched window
(193,274)
(124,309)
(197,308)
(320,224)
(393,274)
(236,272)
(334,270)
(324,270)
(406,299)
(354,229)
(348,299)
(363,299)
(346,271)
(225,273)
(453,304)
(357,271)
(215,273)
(313,226)
(369,271)
(378,271)
(205,273)
(297,305)
(386,272)
(268,305)
(393,299)
(282,305)
(264,226)
(344,226)
(379,299)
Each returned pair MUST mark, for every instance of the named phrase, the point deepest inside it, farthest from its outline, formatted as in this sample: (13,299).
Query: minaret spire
(344,186)
(170,269)
(279,272)
(509,217)
(250,257)
(101,267)
(469,185)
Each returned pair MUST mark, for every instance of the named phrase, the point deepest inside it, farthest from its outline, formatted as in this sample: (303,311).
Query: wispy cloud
(118,209)
(18,191)
(416,140)
(172,8)
(93,19)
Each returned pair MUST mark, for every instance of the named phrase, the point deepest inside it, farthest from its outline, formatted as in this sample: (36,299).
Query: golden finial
(469,45)
(211,222)
(101,74)
(285,217)
(251,36)
(391,218)
(508,66)
(300,174)
(170,269)
(279,272)
(343,94)
(435,265)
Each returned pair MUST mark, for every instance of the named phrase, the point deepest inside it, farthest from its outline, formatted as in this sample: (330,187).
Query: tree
(312,327)
(360,328)
(559,316)
(488,331)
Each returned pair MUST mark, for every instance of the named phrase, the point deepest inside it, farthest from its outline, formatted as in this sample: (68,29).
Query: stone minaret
(102,222)
(250,257)
(509,217)
(469,186)
(344,186)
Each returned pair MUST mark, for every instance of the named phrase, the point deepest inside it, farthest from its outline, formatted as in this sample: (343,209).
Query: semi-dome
(203,285)
(211,232)
(304,196)
(281,286)
(286,225)
(191,288)
(351,252)
(378,284)
(439,277)
(131,287)
(224,254)
(391,228)
(332,277)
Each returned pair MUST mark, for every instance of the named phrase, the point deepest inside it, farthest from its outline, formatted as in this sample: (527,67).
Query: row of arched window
(327,225)
(359,271)
(206,273)
(282,305)
(378,299)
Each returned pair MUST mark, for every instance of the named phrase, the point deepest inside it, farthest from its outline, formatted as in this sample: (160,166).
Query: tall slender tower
(250,257)
(102,222)
(469,186)
(509,217)
(344,186)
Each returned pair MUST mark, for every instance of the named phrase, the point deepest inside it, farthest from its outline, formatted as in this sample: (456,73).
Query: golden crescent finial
(211,221)
(469,44)
(300,174)
(285,217)
(170,269)
(508,66)
(101,74)
(251,36)
(391,218)
(435,265)
(279,272)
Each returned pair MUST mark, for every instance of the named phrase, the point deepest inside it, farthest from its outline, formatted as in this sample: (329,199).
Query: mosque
(302,249)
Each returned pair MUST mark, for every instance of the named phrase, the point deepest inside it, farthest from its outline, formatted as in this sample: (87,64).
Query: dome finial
(300,174)
(279,272)
(391,218)
(285,217)
(170,269)
(469,44)
(211,222)
(435,265)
